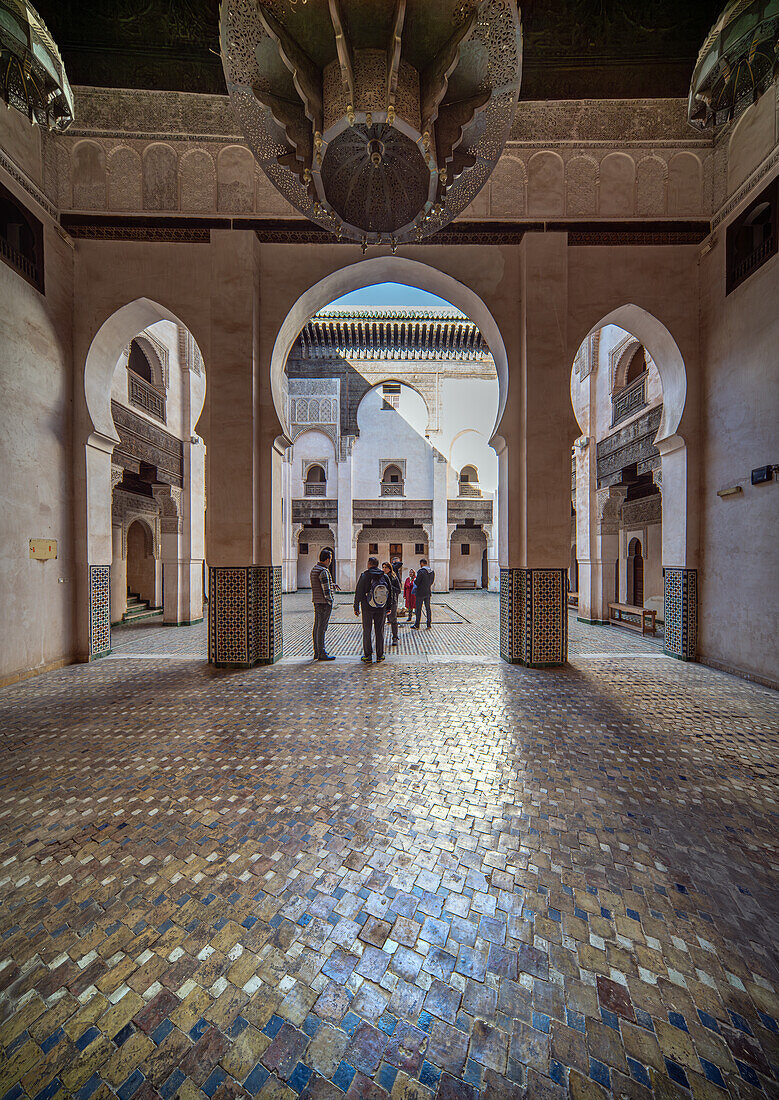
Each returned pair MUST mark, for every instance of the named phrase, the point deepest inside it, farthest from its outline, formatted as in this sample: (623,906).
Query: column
(118,574)
(96,537)
(345,546)
(493,559)
(535,466)
(604,541)
(680,578)
(244,482)
(289,575)
(439,547)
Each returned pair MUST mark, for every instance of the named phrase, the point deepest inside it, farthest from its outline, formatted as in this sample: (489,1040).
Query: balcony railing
(17,259)
(145,397)
(392,488)
(754,260)
(469,489)
(314,489)
(628,401)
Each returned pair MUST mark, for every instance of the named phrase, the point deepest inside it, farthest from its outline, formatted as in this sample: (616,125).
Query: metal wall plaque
(43,549)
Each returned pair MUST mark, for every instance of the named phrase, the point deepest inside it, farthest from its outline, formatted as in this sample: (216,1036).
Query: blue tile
(311,1025)
(768,1021)
(198,1029)
(541,1022)
(343,1076)
(639,1073)
(385,1078)
(473,1072)
(86,1090)
(19,1041)
(633,914)
(88,1036)
(388,1023)
(600,1073)
(17,1091)
(748,1074)
(712,1073)
(52,1040)
(580,913)
(609,1018)
(739,1022)
(131,1085)
(575,1020)
(708,1021)
(162,1031)
(256,1079)
(299,1078)
(350,1023)
(272,1027)
(425,1021)
(678,1020)
(557,1073)
(213,1081)
(429,1076)
(676,1073)
(50,1090)
(172,1085)
(643,1019)
(238,1025)
(605,913)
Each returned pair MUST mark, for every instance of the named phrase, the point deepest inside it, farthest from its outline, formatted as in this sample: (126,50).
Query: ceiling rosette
(380,120)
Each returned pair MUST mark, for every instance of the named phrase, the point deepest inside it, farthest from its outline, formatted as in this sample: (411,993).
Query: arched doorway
(140,564)
(635,570)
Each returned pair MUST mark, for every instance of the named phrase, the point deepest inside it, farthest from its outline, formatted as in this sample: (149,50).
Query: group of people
(376,599)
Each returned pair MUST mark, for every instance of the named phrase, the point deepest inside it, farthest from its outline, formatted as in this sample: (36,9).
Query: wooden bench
(463,584)
(573,599)
(641,619)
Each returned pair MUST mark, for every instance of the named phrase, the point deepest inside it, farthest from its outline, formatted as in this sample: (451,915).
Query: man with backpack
(425,579)
(392,610)
(372,598)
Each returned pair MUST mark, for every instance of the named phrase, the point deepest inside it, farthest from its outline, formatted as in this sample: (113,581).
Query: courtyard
(449,877)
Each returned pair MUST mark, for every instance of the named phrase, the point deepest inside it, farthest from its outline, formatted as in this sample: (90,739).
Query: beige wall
(36,597)
(739,614)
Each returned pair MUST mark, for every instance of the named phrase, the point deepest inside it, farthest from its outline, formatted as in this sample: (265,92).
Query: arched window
(636,367)
(392,481)
(469,482)
(629,394)
(144,390)
(316,481)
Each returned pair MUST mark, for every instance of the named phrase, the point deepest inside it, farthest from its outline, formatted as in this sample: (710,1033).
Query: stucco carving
(608,504)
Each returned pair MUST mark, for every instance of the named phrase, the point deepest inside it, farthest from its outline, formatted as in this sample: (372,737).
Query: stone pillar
(244,482)
(96,576)
(345,546)
(289,572)
(118,575)
(604,541)
(439,547)
(535,486)
(493,559)
(680,579)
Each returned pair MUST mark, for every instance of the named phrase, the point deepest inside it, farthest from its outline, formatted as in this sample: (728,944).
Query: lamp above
(32,76)
(380,120)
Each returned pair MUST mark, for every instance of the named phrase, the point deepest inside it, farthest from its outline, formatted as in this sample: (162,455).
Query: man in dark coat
(372,597)
(392,610)
(424,582)
(322,598)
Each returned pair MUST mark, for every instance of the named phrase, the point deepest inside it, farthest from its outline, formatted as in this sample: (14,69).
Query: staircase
(138,608)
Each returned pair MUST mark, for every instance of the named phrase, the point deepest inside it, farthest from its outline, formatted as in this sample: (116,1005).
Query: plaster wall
(392,434)
(466,567)
(313,447)
(36,491)
(738,614)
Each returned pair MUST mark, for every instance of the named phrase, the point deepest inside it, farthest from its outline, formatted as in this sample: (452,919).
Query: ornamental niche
(378,120)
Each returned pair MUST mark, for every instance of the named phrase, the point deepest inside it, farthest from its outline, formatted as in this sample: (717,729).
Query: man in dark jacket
(392,610)
(373,605)
(322,597)
(424,582)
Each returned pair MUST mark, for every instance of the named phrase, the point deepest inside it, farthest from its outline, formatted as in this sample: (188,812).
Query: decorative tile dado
(244,615)
(533,616)
(99,610)
(681,612)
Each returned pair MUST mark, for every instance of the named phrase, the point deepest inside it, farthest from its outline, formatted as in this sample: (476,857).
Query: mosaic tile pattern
(99,610)
(534,616)
(413,881)
(681,612)
(244,615)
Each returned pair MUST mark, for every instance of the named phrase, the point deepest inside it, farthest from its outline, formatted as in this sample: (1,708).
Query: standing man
(372,597)
(425,579)
(392,610)
(322,598)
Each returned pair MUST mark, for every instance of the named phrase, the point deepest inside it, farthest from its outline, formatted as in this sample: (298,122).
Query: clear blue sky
(389,296)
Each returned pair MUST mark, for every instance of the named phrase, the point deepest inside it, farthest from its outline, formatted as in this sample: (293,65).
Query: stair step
(144,612)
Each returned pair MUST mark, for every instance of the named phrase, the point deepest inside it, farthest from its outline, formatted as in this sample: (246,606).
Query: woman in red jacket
(408,593)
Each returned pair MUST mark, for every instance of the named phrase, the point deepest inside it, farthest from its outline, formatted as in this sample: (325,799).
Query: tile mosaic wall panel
(533,616)
(99,610)
(244,615)
(681,612)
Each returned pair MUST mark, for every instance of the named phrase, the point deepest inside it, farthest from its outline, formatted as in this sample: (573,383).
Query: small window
(391,394)
(465,548)
(21,239)
(419,548)
(396,549)
(304,548)
(753,238)
(373,547)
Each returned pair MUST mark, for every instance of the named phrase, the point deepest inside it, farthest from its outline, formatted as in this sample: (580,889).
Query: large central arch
(386,269)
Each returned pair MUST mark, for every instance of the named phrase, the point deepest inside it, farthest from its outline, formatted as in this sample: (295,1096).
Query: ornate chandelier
(32,76)
(738,62)
(380,120)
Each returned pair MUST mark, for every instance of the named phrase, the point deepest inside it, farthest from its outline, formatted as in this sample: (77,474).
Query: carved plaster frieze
(608,508)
